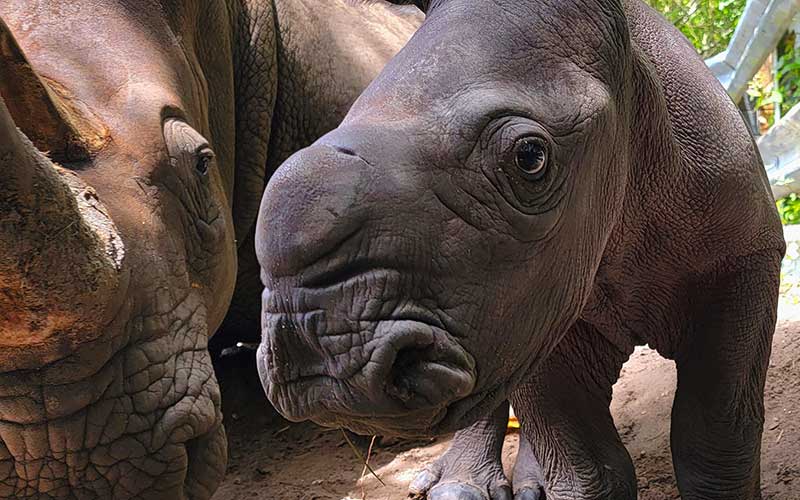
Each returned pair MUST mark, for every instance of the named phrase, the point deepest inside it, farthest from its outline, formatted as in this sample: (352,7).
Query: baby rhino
(530,189)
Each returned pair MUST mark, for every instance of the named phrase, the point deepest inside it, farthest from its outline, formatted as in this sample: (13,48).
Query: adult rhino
(135,138)
(527,191)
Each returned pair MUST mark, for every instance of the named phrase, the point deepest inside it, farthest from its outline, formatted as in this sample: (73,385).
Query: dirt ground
(272,459)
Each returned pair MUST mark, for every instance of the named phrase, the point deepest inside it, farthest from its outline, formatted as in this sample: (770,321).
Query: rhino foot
(426,485)
(471,469)
(530,493)
(461,491)
(462,476)
(446,479)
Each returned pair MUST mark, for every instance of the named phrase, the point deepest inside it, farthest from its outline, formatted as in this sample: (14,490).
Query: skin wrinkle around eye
(545,205)
(579,125)
(189,197)
(497,147)
(200,217)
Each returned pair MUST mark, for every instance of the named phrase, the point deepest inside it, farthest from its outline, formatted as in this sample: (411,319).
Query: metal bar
(779,149)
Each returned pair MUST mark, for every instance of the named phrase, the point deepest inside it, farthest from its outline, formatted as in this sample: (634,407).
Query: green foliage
(782,91)
(787,74)
(789,209)
(708,24)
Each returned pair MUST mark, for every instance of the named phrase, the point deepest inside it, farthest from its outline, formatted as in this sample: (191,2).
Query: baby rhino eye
(530,156)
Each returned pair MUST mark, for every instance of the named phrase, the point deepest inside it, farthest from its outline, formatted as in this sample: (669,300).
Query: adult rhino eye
(530,156)
(204,162)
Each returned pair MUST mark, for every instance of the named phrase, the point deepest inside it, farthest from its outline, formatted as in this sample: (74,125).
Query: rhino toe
(529,493)
(460,491)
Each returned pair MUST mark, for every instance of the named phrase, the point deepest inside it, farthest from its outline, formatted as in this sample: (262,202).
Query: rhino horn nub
(60,256)
(43,110)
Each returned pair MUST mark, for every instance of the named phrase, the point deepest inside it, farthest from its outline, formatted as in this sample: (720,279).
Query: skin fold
(135,141)
(524,194)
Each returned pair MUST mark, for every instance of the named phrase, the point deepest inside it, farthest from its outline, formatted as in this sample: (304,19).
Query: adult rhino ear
(43,110)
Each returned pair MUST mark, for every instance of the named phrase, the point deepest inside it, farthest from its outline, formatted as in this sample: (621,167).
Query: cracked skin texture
(527,191)
(118,257)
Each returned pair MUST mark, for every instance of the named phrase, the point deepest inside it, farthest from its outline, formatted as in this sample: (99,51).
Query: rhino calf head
(421,257)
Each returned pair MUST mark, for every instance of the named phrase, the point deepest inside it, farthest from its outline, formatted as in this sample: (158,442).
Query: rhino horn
(61,258)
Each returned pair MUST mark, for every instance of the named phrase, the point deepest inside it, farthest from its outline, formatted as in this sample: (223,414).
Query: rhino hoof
(528,493)
(458,491)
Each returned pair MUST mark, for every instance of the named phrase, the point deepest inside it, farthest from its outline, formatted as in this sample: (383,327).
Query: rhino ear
(57,125)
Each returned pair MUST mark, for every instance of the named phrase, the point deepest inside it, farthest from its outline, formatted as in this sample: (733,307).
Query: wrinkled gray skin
(118,247)
(424,262)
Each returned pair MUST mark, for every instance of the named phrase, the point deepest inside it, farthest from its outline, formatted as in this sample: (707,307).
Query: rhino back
(697,192)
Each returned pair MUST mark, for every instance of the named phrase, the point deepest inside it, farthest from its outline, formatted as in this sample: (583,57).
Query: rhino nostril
(403,382)
(429,375)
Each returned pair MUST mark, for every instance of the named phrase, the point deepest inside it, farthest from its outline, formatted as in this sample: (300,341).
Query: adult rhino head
(422,256)
(117,248)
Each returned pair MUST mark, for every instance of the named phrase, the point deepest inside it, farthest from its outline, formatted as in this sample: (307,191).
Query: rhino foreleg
(565,416)
(528,477)
(471,469)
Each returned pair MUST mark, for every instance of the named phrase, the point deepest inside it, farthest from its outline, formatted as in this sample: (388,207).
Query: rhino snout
(306,212)
(351,334)
(430,375)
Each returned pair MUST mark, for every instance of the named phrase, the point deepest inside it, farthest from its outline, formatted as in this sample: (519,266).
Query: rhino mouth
(343,351)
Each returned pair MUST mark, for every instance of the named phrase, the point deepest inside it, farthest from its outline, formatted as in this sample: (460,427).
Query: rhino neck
(641,245)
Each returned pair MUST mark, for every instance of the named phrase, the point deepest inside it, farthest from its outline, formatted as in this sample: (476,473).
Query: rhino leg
(718,414)
(471,468)
(528,475)
(565,415)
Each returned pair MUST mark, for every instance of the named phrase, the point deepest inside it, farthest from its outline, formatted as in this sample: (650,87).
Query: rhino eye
(530,156)
(204,161)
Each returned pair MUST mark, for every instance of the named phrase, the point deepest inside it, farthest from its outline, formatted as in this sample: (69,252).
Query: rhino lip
(415,370)
(412,366)
(422,353)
